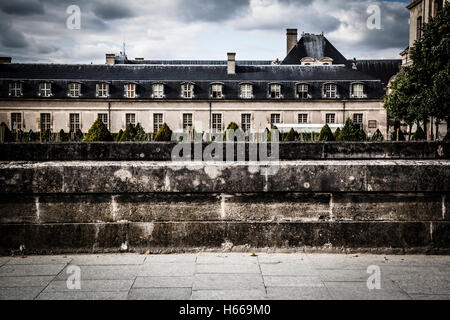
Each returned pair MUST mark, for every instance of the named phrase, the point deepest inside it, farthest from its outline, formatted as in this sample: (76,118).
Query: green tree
(349,132)
(292,135)
(140,133)
(7,134)
(119,136)
(326,134)
(164,134)
(98,132)
(269,135)
(421,90)
(377,136)
(129,133)
(419,134)
(337,133)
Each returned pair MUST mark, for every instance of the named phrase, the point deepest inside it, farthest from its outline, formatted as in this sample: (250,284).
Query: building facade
(315,84)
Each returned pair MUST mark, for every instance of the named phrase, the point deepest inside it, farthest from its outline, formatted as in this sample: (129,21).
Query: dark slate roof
(314,46)
(380,69)
(197,62)
(173,75)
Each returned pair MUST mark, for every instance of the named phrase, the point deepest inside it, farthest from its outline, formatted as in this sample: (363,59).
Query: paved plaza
(229,276)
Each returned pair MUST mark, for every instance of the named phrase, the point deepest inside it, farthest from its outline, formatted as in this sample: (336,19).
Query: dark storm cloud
(212,10)
(22,7)
(10,37)
(111,11)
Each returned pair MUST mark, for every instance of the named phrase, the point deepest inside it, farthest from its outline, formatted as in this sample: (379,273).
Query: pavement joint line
(262,276)
(54,277)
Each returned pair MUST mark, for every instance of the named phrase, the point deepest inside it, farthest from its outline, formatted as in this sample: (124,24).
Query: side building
(315,84)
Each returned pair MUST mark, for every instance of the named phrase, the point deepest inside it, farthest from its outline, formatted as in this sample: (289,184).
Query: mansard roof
(316,47)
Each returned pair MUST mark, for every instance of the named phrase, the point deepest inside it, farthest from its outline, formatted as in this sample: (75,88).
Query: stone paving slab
(230,276)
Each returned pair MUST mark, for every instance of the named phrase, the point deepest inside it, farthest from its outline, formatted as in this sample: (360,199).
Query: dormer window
(130,90)
(45,89)
(158,91)
(15,89)
(217,91)
(275,91)
(102,90)
(74,90)
(187,90)
(358,90)
(246,91)
(303,91)
(330,91)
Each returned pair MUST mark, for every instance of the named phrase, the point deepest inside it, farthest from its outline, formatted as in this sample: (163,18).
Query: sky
(37,31)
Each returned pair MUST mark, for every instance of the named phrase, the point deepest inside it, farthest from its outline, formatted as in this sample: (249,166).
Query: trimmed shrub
(292,135)
(269,135)
(231,126)
(306,136)
(45,136)
(326,134)
(164,134)
(337,133)
(401,136)
(62,136)
(118,136)
(419,134)
(349,132)
(129,133)
(30,136)
(140,133)
(362,136)
(377,136)
(98,132)
(7,134)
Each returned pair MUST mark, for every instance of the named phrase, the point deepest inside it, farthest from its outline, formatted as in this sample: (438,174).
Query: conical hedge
(349,132)
(291,136)
(377,136)
(326,134)
(98,132)
(164,134)
(129,133)
(419,134)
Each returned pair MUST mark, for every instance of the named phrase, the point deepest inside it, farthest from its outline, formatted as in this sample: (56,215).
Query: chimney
(110,58)
(291,37)
(231,65)
(5,60)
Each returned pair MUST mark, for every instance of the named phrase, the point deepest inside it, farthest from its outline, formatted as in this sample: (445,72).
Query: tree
(377,136)
(421,90)
(98,132)
(291,136)
(63,137)
(140,133)
(419,134)
(326,134)
(337,133)
(269,135)
(129,133)
(7,134)
(349,132)
(119,136)
(164,134)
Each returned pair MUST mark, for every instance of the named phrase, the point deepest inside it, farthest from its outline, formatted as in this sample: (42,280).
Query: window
(158,91)
(102,90)
(74,90)
(419,28)
(157,122)
(187,90)
(74,123)
(103,118)
(16,121)
(275,91)
(330,118)
(303,91)
(130,118)
(358,90)
(216,91)
(329,91)
(358,120)
(275,118)
(130,90)
(246,91)
(217,122)
(15,89)
(46,123)
(187,121)
(246,122)
(372,124)
(302,118)
(45,89)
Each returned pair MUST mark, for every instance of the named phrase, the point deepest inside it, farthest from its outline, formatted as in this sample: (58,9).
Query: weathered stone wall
(329,205)
(147,151)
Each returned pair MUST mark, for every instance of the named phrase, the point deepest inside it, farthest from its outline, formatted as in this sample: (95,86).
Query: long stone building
(313,85)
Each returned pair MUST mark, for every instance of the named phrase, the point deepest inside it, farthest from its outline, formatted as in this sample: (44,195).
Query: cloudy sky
(36,30)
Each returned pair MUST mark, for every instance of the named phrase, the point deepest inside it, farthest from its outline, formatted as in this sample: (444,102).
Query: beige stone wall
(173,112)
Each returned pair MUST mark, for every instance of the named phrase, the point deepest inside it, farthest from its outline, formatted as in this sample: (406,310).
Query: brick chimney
(110,58)
(231,65)
(292,38)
